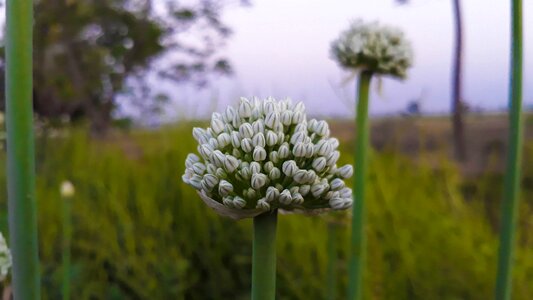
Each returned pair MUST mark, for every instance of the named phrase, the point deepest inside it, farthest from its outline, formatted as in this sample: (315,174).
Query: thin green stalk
(67,237)
(512,176)
(264,257)
(358,240)
(332,261)
(20,150)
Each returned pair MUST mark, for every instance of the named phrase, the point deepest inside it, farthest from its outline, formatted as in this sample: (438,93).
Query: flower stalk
(264,257)
(514,157)
(358,239)
(67,192)
(20,150)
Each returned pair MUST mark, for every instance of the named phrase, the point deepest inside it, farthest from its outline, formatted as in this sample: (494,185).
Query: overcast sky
(281,48)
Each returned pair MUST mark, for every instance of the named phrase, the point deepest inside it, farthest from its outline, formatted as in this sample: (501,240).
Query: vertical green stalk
(332,262)
(20,149)
(358,240)
(67,237)
(512,176)
(264,257)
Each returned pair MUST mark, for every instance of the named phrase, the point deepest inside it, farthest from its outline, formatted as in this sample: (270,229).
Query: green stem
(512,176)
(358,240)
(67,237)
(20,150)
(264,257)
(332,262)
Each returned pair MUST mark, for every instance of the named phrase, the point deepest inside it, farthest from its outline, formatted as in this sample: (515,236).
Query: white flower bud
(236,123)
(274,157)
(199,135)
(259,154)
(281,137)
(245,108)
(67,190)
(289,168)
(258,180)
(311,125)
(231,163)
(300,176)
(323,148)
(250,193)
(246,130)
(284,151)
(262,204)
(286,118)
(259,140)
(256,114)
(211,168)
(309,150)
(228,201)
(217,125)
(332,158)
(229,114)
(337,184)
(270,107)
(205,150)
(334,142)
(272,119)
(319,164)
(220,173)
(236,153)
(331,194)
(239,202)
(223,140)
(213,143)
(298,137)
(304,189)
(198,168)
(301,127)
(300,106)
(274,174)
(346,192)
(322,128)
(318,189)
(224,188)
(258,126)
(191,159)
(245,173)
(297,199)
(285,197)
(268,166)
(209,181)
(247,145)
(336,203)
(271,138)
(348,202)
(299,150)
(310,176)
(345,171)
(255,167)
(294,190)
(272,194)
(195,181)
(217,158)
(235,139)
(298,117)
(228,128)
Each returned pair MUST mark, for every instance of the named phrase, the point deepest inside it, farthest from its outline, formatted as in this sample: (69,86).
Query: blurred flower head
(373,47)
(5,258)
(67,189)
(265,154)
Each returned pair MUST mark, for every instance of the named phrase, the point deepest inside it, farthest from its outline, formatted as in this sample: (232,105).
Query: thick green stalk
(20,150)
(512,176)
(264,257)
(67,237)
(332,261)
(358,240)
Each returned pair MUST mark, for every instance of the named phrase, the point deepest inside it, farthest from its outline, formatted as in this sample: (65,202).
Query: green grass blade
(20,148)
(358,240)
(67,237)
(512,176)
(264,257)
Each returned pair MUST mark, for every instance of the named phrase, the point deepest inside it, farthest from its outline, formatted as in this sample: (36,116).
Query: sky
(280,48)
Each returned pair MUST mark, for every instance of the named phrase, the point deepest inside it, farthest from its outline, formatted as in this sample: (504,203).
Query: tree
(457,92)
(89,52)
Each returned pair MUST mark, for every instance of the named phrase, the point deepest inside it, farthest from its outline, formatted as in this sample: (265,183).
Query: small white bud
(299,150)
(346,192)
(345,171)
(255,167)
(318,189)
(272,119)
(246,130)
(272,194)
(289,168)
(223,140)
(198,168)
(332,158)
(281,137)
(258,126)
(294,190)
(205,151)
(298,137)
(274,174)
(304,189)
(220,173)
(256,114)
(258,180)
(245,108)
(191,159)
(235,139)
(337,184)
(211,168)
(217,125)
(284,151)
(334,142)
(298,117)
(301,127)
(262,204)
(271,138)
(297,199)
(229,114)
(336,203)
(213,143)
(348,202)
(236,153)
(209,181)
(322,128)
(300,176)
(309,150)
(259,140)
(245,173)
(259,154)
(285,197)
(217,158)
(199,135)
(224,188)
(331,194)
(236,123)
(247,145)
(300,106)
(310,176)
(268,166)
(228,201)
(231,163)
(319,164)
(239,202)
(195,181)
(274,157)
(311,125)
(250,193)
(269,107)
(67,189)
(286,118)
(323,147)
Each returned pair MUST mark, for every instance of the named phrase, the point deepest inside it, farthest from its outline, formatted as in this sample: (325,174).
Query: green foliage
(140,233)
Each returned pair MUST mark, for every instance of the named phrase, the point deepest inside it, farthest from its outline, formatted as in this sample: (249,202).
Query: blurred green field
(140,233)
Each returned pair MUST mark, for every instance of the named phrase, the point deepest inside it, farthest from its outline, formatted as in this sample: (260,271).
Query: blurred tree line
(88,53)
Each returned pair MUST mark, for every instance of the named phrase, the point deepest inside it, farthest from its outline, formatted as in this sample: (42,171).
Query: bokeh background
(120,84)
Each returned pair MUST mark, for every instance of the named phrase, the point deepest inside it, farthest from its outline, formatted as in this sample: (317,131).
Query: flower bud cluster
(373,47)
(265,154)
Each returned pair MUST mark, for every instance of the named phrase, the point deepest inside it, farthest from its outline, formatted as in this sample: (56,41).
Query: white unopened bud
(191,159)
(310,176)
(285,197)
(272,194)
(337,184)
(271,138)
(322,128)
(205,151)
(213,143)
(289,168)
(309,150)
(195,181)
(298,137)
(259,140)
(297,199)
(274,174)
(67,189)
(255,167)
(269,106)
(231,163)
(331,194)
(246,130)
(318,189)
(345,171)
(211,168)
(220,173)
(223,139)
(236,152)
(239,202)
(258,180)
(300,176)
(224,188)
(304,189)
(323,147)
(262,204)
(272,119)
(217,158)
(301,127)
(311,125)
(274,157)
(245,108)
(319,164)
(346,192)
(199,135)
(334,142)
(198,168)
(256,114)
(228,201)
(300,106)
(247,145)
(245,173)
(281,137)
(332,158)
(258,126)
(299,150)
(284,151)
(237,121)
(229,114)
(298,117)
(336,203)
(268,166)
(235,139)
(286,117)
(259,154)
(209,181)
(217,125)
